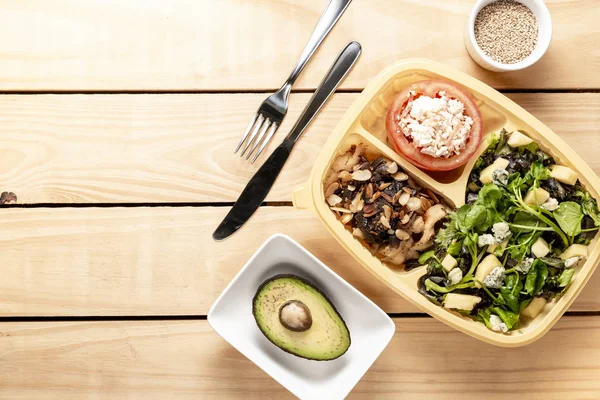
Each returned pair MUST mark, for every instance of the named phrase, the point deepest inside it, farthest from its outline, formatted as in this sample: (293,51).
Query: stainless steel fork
(271,112)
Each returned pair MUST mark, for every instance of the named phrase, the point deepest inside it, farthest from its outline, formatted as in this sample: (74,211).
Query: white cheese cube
(534,308)
(461,301)
(575,250)
(540,248)
(564,174)
(486,266)
(536,197)
(517,139)
(497,324)
(449,263)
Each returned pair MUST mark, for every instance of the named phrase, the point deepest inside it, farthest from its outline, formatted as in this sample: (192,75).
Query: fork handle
(330,16)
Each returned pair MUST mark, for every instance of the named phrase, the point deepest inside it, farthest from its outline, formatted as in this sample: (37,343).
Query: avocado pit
(295,316)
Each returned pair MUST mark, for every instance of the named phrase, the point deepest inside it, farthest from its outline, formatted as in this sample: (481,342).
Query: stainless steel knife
(261,183)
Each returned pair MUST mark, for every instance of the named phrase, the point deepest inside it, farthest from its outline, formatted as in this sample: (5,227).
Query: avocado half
(299,319)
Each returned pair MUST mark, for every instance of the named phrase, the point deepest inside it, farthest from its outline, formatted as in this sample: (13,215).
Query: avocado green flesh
(328,337)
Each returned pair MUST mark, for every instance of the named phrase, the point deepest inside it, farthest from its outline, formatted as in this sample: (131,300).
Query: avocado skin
(308,283)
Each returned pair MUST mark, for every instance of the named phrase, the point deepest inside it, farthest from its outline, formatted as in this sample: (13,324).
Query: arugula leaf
(565,277)
(449,232)
(510,318)
(569,216)
(589,206)
(423,258)
(536,173)
(501,141)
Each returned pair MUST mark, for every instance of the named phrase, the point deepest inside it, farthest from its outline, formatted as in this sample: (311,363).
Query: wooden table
(117,123)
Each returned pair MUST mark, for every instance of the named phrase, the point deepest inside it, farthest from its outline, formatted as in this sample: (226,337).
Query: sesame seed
(506,31)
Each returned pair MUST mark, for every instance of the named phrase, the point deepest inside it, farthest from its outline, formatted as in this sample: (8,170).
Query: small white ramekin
(542,15)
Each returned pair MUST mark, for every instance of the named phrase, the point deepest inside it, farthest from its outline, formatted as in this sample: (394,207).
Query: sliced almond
(396,198)
(341,210)
(346,218)
(331,189)
(385,222)
(357,203)
(361,175)
(406,219)
(425,204)
(369,191)
(433,196)
(383,186)
(402,234)
(408,190)
(351,188)
(403,199)
(414,204)
(334,200)
(400,176)
(387,211)
(376,196)
(357,233)
(387,198)
(392,167)
(345,176)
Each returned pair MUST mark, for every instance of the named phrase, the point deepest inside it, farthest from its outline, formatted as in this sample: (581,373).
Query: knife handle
(336,74)
(255,192)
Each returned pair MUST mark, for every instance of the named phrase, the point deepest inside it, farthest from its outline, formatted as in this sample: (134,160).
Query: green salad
(517,242)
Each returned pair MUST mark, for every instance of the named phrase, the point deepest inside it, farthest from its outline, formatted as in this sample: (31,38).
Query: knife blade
(261,183)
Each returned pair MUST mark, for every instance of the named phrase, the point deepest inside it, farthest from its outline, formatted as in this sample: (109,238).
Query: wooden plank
(425,360)
(240,44)
(157,261)
(178,148)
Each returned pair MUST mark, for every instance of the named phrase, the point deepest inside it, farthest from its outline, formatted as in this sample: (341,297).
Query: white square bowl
(370,328)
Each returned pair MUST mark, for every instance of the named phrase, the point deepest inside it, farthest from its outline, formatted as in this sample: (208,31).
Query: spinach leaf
(565,277)
(541,277)
(484,316)
(530,280)
(511,300)
(510,318)
(473,217)
(569,216)
(489,196)
(589,206)
(536,277)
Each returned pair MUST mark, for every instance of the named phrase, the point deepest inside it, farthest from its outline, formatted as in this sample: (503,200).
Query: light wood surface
(80,262)
(240,45)
(178,148)
(132,102)
(186,359)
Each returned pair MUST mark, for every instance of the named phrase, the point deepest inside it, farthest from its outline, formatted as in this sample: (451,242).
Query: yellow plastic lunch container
(364,122)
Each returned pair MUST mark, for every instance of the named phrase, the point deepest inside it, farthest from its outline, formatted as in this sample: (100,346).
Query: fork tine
(274,128)
(247,133)
(259,123)
(260,137)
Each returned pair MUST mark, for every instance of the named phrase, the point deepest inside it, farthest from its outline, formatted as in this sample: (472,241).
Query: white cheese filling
(437,126)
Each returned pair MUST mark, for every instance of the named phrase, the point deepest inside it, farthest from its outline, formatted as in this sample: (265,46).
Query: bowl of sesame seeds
(508,35)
